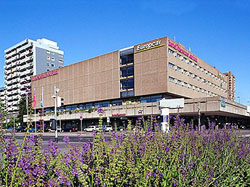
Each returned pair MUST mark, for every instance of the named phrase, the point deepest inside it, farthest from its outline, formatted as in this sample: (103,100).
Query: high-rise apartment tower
(24,60)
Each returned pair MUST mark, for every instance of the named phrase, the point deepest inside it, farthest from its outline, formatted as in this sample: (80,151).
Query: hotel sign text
(182,50)
(148,46)
(44,75)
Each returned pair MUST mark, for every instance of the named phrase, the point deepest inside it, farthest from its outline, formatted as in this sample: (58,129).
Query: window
(60,60)
(52,65)
(48,69)
(178,69)
(171,79)
(185,84)
(48,57)
(156,98)
(170,65)
(60,66)
(185,72)
(130,83)
(178,55)
(48,52)
(116,102)
(170,51)
(48,64)
(126,59)
(53,58)
(178,82)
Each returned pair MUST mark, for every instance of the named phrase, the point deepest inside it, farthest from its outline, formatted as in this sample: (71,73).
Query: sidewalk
(70,134)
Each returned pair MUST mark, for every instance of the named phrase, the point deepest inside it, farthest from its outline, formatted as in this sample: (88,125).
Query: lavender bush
(135,157)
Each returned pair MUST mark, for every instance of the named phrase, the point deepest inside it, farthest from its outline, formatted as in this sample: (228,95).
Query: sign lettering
(51,73)
(148,46)
(182,50)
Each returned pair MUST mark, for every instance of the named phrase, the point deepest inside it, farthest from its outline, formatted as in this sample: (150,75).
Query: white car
(109,128)
(91,129)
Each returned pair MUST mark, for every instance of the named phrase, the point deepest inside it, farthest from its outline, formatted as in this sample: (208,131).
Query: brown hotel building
(135,77)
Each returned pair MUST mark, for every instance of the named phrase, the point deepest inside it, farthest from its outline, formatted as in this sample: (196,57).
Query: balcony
(16,96)
(22,61)
(8,77)
(10,54)
(8,66)
(8,88)
(7,61)
(14,69)
(15,75)
(14,108)
(22,93)
(15,103)
(22,87)
(20,49)
(9,99)
(22,68)
(15,92)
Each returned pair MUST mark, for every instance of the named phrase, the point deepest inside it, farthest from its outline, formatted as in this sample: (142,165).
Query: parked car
(32,129)
(59,129)
(109,128)
(20,129)
(69,128)
(9,130)
(91,129)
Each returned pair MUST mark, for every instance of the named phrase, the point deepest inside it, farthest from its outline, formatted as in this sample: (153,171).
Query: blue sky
(217,31)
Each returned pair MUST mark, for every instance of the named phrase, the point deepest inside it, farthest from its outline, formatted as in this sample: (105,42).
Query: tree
(22,111)
(3,115)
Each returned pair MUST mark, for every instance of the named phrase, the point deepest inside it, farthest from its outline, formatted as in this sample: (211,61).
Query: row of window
(177,55)
(52,53)
(50,64)
(183,71)
(48,69)
(53,59)
(190,86)
(143,99)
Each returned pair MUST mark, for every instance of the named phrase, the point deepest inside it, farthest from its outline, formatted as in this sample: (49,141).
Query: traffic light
(60,101)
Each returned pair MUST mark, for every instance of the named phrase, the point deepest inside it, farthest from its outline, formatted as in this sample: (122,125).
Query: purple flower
(148,174)
(66,139)
(167,149)
(100,111)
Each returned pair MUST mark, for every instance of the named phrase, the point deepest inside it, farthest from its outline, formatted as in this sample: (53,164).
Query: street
(75,138)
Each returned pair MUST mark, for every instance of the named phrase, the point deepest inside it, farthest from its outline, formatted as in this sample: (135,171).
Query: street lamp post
(56,90)
(81,123)
(199,114)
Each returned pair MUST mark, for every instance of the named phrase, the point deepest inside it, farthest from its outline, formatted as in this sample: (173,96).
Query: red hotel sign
(51,73)
(182,50)
(117,115)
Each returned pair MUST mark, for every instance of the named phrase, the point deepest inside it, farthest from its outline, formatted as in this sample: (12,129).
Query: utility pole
(199,114)
(81,123)
(27,108)
(56,90)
